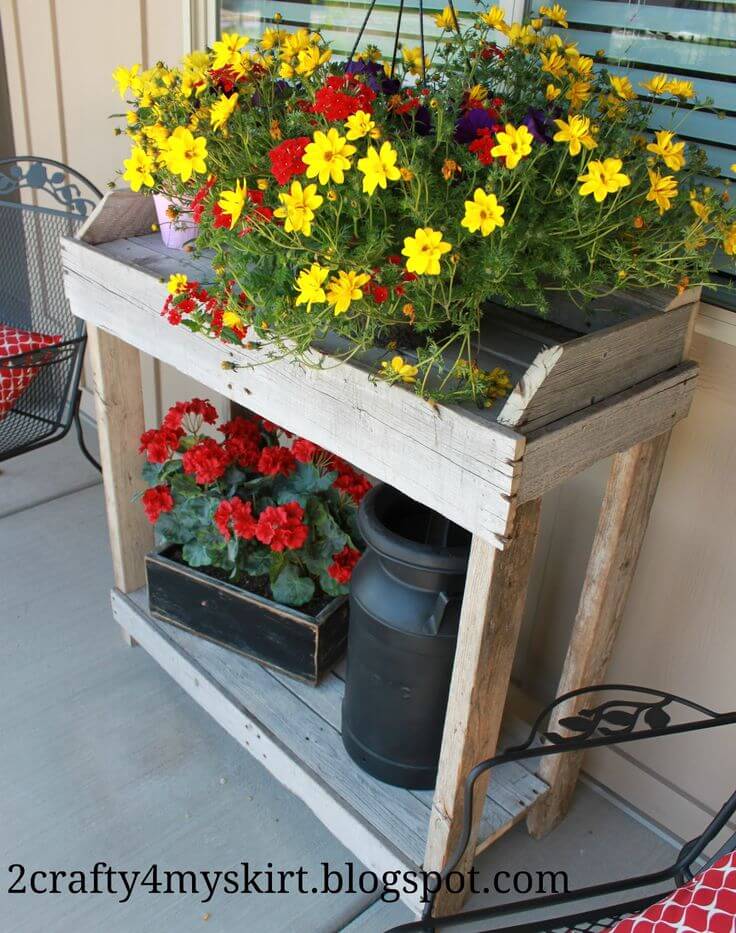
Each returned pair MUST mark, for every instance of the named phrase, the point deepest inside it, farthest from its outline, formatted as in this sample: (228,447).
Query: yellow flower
(309,284)
(520,35)
(379,167)
(603,178)
(513,144)
(299,207)
(158,135)
(672,154)
(476,94)
(345,288)
(398,370)
(662,189)
(310,60)
(125,78)
(360,124)
(446,19)
(413,60)
(699,209)
(552,92)
(450,168)
(656,85)
(232,202)
(554,64)
(139,169)
(406,174)
(578,93)
(231,319)
(556,13)
(733,168)
(263,184)
(483,213)
(494,17)
(328,157)
(623,87)
(424,250)
(186,154)
(227,50)
(729,240)
(177,283)
(681,89)
(286,71)
(222,110)
(576,133)
(583,65)
(271,38)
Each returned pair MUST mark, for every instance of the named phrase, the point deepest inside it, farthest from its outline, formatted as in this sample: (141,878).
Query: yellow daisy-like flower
(657,85)
(231,319)
(399,370)
(424,251)
(310,283)
(483,213)
(576,133)
(231,202)
(361,124)
(413,60)
(125,78)
(699,209)
(556,13)
(682,89)
(328,157)
(493,17)
(552,92)
(476,94)
(554,64)
(185,154)
(271,38)
(177,283)
(309,60)
(446,19)
(578,93)
(603,178)
(671,153)
(379,167)
(583,65)
(623,87)
(226,50)
(513,144)
(299,205)
(222,110)
(345,288)
(729,240)
(662,190)
(139,169)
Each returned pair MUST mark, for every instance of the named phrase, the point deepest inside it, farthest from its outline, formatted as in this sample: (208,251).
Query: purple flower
(470,122)
(536,122)
(371,71)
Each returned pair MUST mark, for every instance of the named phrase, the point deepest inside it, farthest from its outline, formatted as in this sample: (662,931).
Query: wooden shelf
(293,729)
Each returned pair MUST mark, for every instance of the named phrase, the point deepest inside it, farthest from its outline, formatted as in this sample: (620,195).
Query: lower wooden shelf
(293,729)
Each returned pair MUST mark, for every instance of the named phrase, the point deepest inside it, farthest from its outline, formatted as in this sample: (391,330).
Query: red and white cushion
(15,380)
(706,905)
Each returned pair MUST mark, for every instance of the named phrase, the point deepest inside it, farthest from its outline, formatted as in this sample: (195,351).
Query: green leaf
(196,554)
(151,473)
(303,482)
(257,563)
(290,588)
(330,586)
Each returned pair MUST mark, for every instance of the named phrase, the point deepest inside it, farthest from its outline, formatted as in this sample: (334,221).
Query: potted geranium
(258,538)
(388,203)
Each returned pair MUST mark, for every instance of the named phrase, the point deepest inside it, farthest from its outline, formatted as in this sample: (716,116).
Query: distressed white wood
(293,730)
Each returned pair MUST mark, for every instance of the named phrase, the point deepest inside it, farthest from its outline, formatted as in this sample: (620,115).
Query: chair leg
(80,434)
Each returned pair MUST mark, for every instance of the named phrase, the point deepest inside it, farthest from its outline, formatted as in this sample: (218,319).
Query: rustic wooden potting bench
(585,388)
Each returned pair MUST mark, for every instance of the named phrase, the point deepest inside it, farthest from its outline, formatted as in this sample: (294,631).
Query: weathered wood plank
(493,604)
(570,377)
(119,214)
(628,500)
(454,460)
(560,450)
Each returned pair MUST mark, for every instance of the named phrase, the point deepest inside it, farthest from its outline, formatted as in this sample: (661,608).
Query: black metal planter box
(282,637)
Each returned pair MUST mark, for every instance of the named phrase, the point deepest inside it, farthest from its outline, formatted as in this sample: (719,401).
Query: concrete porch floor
(104,758)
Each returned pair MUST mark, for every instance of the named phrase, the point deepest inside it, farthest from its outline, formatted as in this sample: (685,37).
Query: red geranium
(156,500)
(341,97)
(199,407)
(304,451)
(281,527)
(206,461)
(276,460)
(286,159)
(343,564)
(237,514)
(159,443)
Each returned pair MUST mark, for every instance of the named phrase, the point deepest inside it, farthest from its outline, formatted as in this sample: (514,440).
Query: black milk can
(405,596)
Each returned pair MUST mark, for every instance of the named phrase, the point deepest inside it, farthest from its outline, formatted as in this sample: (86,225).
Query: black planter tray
(283,637)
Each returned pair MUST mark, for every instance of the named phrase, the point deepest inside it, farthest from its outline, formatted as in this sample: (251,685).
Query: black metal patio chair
(41,342)
(637,713)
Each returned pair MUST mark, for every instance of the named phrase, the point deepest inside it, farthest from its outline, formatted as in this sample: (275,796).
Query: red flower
(483,145)
(304,451)
(334,103)
(200,197)
(348,480)
(198,407)
(276,460)
(286,159)
(343,564)
(281,527)
(156,500)
(241,427)
(159,444)
(396,260)
(242,451)
(221,218)
(380,294)
(237,513)
(206,461)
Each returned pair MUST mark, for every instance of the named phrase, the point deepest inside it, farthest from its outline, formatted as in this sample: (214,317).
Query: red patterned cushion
(15,380)
(706,905)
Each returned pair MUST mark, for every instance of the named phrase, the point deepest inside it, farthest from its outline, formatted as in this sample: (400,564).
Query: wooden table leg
(119,402)
(493,604)
(632,485)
